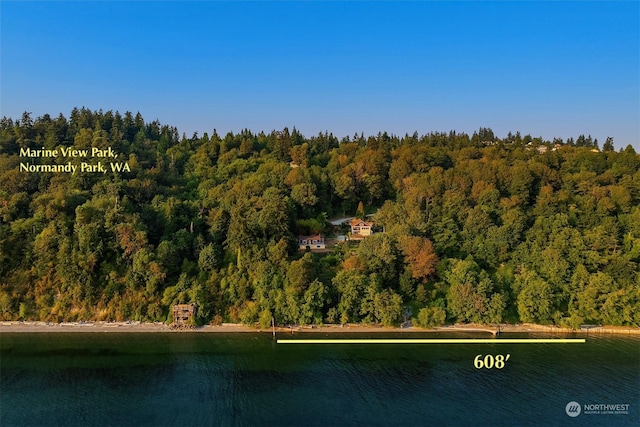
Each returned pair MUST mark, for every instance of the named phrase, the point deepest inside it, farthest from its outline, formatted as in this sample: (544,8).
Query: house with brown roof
(312,242)
(361,228)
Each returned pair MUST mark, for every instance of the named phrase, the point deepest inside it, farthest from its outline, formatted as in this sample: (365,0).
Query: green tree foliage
(471,296)
(350,286)
(380,255)
(360,211)
(477,228)
(313,303)
(534,296)
(430,317)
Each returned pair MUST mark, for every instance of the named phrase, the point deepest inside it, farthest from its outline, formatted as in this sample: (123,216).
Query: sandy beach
(130,327)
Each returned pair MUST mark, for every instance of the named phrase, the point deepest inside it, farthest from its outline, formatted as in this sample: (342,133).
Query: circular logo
(573,409)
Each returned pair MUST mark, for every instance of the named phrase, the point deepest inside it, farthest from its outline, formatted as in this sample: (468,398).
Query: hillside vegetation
(476,228)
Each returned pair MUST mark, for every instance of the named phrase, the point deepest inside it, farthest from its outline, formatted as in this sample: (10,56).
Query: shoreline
(138,327)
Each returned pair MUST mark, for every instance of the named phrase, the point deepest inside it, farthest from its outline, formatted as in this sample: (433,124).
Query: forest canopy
(469,228)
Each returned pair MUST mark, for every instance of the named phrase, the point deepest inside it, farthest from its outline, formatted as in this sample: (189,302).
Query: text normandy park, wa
(72,152)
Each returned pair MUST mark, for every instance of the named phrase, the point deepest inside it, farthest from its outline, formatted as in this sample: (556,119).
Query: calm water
(247,379)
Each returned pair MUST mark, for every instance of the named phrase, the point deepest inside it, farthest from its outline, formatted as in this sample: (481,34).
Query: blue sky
(544,68)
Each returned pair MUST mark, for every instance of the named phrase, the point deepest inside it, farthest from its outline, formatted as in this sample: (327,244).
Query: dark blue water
(80,379)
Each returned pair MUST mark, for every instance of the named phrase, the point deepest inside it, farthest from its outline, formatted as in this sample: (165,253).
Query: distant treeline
(477,228)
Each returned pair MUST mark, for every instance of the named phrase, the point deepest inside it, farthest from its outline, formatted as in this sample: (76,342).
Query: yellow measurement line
(442,341)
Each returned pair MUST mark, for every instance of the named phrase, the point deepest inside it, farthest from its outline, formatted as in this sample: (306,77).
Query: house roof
(357,221)
(314,237)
